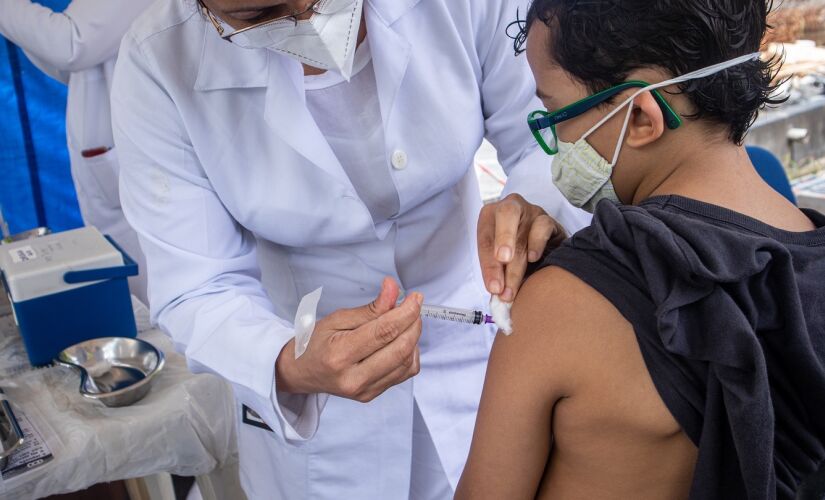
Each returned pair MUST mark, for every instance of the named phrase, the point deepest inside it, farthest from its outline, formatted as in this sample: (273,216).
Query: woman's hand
(357,353)
(511,234)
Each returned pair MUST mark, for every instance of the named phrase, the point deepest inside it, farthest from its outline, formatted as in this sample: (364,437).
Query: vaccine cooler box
(67,287)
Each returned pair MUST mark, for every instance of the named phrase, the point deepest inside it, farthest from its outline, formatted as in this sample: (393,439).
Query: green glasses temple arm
(672,119)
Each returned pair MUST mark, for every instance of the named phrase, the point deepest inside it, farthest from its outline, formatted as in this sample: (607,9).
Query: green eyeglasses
(543,124)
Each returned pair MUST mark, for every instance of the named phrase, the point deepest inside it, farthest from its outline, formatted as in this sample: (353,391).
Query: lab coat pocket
(99,176)
(270,468)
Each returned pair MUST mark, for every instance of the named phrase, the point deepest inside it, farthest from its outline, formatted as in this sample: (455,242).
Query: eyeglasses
(228,37)
(543,124)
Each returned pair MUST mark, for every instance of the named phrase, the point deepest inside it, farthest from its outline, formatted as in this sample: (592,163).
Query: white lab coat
(79,47)
(229,182)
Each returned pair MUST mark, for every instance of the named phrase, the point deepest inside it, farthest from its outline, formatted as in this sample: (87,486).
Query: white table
(184,426)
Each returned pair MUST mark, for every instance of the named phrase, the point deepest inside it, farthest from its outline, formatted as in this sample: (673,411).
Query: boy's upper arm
(545,360)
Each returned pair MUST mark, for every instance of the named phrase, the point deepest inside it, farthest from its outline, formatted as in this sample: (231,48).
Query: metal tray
(11,436)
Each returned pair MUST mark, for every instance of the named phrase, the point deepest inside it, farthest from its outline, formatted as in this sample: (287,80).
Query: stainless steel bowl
(31,233)
(117,371)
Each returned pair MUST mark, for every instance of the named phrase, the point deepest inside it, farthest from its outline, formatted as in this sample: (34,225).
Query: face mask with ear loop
(583,175)
(326,40)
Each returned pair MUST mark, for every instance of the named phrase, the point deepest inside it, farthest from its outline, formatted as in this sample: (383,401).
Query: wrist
(287,372)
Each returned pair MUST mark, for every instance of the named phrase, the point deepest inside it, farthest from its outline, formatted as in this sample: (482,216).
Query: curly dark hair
(599,42)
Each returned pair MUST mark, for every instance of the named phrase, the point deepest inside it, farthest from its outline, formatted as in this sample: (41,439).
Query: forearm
(46,35)
(227,326)
(84,35)
(224,327)
(47,68)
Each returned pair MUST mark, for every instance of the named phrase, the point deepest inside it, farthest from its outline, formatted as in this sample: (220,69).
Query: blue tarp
(35,181)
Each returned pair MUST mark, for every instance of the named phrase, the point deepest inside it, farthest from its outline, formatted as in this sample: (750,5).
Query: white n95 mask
(582,175)
(326,40)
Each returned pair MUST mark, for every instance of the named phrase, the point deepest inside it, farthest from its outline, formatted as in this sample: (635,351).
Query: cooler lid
(35,268)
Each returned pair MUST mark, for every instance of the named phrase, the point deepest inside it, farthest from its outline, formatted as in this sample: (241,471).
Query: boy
(675,348)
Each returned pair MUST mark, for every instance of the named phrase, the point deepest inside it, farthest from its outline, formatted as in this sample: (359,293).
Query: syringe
(468,316)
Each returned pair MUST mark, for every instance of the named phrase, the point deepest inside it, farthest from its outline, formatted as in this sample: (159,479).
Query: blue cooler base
(52,323)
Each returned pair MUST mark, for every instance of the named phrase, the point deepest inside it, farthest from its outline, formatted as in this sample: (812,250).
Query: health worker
(78,47)
(270,148)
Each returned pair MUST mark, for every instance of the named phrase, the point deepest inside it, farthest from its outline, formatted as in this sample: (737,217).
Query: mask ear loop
(622,135)
(604,120)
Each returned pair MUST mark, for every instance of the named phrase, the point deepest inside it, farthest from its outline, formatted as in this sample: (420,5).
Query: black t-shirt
(729,314)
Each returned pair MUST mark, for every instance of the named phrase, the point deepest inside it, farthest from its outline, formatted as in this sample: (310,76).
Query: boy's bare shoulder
(554,289)
(558,312)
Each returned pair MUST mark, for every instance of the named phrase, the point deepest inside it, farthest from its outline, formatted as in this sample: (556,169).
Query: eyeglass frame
(540,119)
(219,25)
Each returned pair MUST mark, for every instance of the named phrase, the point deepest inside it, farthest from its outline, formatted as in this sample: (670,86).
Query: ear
(647,123)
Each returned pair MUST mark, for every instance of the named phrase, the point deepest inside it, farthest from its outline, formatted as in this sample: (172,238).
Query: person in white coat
(78,47)
(254,177)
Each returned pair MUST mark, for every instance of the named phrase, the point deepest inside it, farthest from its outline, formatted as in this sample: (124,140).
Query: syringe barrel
(452,314)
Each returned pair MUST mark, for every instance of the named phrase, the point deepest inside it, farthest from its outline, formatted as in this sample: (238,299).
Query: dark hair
(599,42)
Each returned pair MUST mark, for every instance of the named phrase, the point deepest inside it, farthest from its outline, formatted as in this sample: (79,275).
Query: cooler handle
(129,268)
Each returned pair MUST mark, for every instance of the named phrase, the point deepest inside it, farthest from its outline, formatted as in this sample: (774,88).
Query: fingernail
(419,298)
(495,287)
(505,253)
(533,256)
(507,296)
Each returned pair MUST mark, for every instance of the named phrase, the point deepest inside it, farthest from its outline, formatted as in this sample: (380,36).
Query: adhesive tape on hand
(305,321)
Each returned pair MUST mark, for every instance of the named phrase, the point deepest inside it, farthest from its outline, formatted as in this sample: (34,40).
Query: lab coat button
(399,160)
